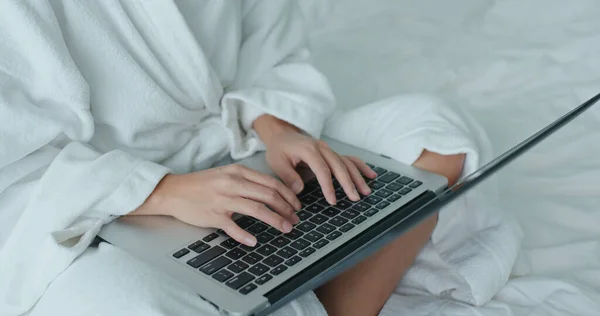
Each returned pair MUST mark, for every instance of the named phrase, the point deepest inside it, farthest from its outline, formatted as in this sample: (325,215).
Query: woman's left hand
(287,148)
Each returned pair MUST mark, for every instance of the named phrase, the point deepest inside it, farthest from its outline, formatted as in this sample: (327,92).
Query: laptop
(328,240)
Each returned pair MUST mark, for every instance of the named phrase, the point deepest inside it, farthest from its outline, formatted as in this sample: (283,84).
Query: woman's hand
(209,198)
(287,148)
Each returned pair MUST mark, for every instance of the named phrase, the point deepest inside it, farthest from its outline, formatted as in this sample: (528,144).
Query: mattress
(515,66)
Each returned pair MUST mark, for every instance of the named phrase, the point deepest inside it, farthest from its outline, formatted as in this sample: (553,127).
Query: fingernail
(296,219)
(368,190)
(250,241)
(287,227)
(297,187)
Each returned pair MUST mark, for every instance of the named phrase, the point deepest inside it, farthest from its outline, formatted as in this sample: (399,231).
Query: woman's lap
(107,281)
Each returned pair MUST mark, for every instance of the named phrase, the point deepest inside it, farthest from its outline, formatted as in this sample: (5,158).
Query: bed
(515,66)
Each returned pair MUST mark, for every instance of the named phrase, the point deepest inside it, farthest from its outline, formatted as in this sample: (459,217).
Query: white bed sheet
(516,66)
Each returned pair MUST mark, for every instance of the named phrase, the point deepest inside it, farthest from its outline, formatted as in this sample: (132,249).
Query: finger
(288,195)
(363,167)
(265,195)
(319,167)
(236,232)
(340,172)
(357,178)
(260,212)
(284,169)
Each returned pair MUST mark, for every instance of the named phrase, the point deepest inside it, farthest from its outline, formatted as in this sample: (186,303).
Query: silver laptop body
(156,239)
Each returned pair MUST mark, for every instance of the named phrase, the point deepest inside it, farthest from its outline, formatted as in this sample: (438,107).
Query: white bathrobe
(100,99)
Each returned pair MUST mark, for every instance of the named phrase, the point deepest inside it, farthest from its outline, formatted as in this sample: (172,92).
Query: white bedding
(515,66)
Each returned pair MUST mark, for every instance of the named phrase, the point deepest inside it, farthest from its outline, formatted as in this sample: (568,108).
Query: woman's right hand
(210,197)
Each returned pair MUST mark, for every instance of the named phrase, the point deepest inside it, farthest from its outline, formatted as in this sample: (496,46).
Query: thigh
(108,281)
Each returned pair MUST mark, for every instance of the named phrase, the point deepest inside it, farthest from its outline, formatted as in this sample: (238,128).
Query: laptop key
(384,193)
(252,258)
(274,231)
(325,228)
(350,214)
(313,236)
(205,257)
(339,194)
(287,252)
(215,265)
(358,220)
(278,270)
(280,241)
(292,261)
(239,280)
(394,186)
(222,275)
(371,212)
(346,227)
(319,219)
(323,201)
(405,191)
(361,207)
(264,237)
(321,243)
(258,269)
(272,260)
(383,205)
(315,208)
(221,232)
(230,243)
(201,248)
(300,244)
(338,221)
(248,248)
(334,235)
(210,237)
(307,200)
(394,197)
(303,215)
(266,250)
(238,266)
(181,253)
(294,234)
(245,221)
(307,252)
(235,253)
(195,244)
(343,204)
(388,177)
(404,180)
(263,279)
(248,288)
(257,228)
(331,212)
(415,184)
(376,185)
(306,226)
(371,199)
(379,171)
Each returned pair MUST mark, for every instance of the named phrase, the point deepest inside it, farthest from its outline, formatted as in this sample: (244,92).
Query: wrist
(268,127)
(155,202)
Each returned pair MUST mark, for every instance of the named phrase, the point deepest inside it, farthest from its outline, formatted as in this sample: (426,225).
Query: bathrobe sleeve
(274,73)
(69,189)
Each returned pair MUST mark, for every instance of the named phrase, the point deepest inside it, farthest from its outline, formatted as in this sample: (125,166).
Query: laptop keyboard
(245,268)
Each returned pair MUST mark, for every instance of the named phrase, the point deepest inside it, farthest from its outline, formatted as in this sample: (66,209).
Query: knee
(449,166)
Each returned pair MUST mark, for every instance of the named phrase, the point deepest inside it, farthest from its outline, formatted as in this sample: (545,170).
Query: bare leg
(364,289)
